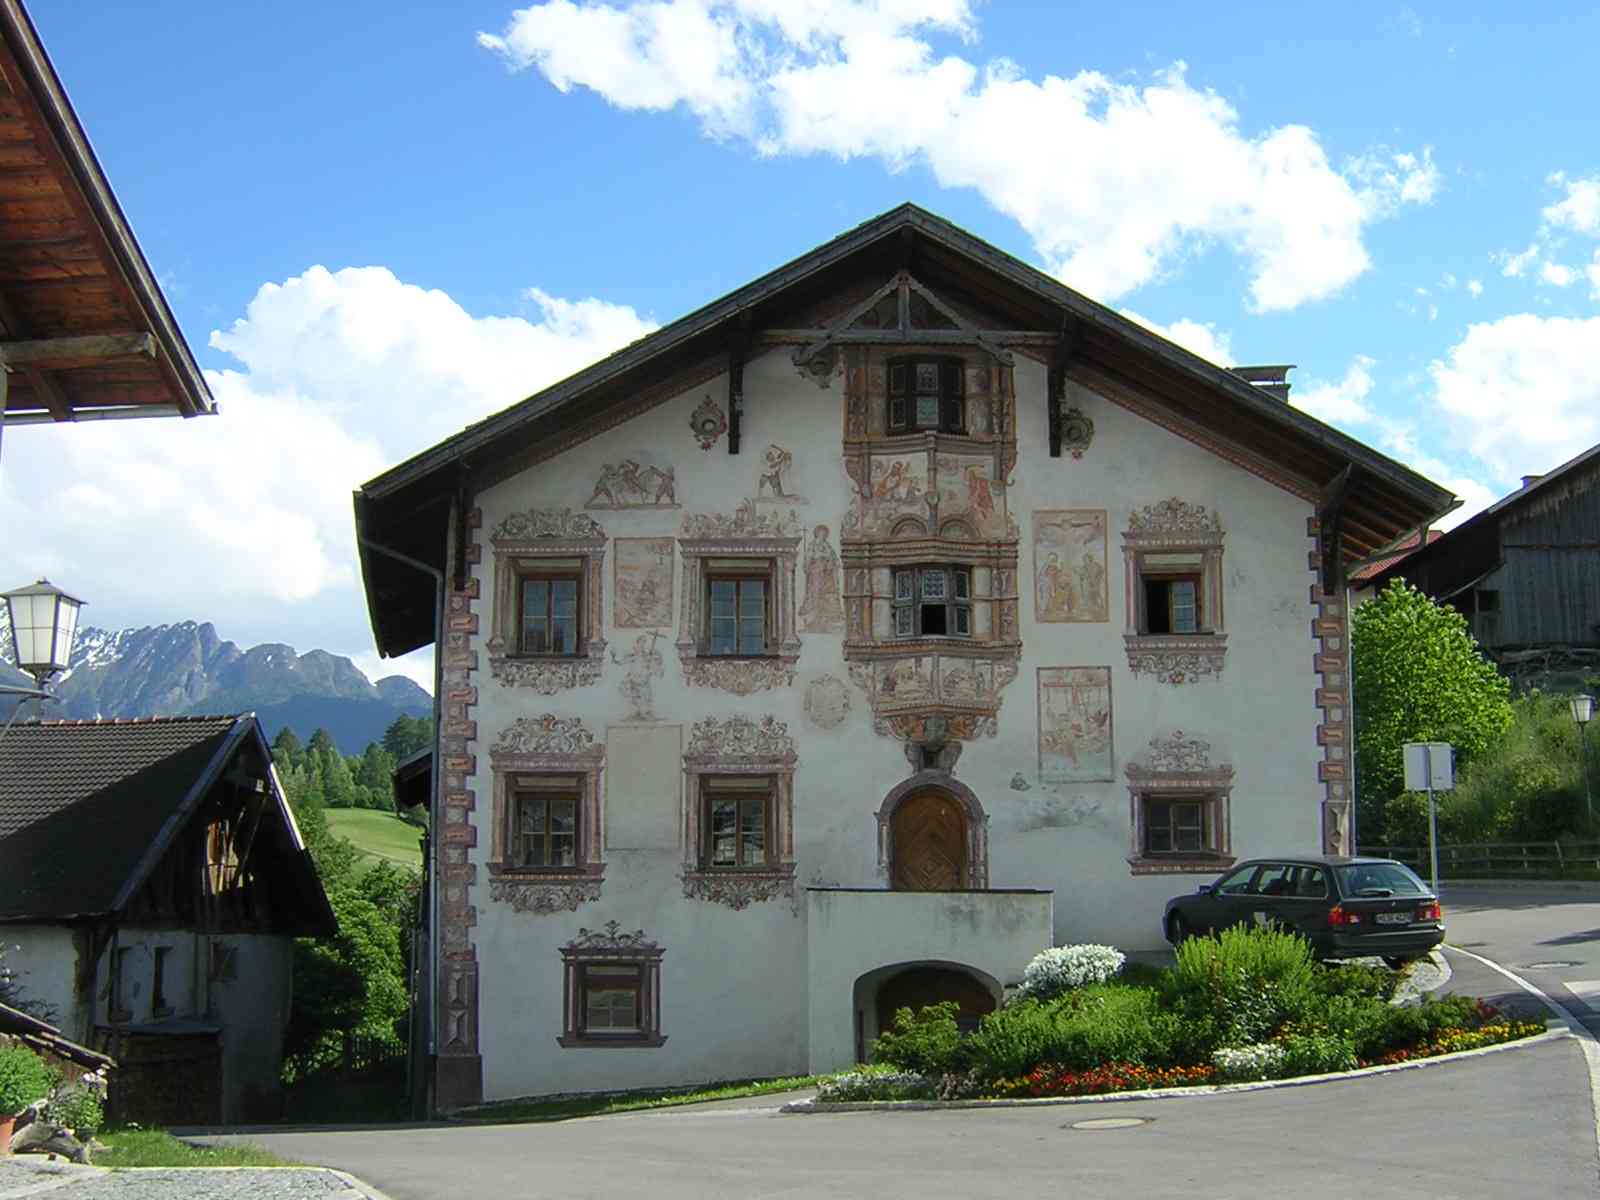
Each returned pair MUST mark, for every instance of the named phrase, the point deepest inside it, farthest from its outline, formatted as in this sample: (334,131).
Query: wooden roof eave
(65,145)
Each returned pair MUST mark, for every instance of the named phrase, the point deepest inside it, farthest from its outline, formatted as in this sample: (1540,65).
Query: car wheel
(1177,929)
(1399,962)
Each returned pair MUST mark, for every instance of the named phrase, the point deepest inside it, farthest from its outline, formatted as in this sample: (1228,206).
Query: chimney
(1529,480)
(1272,380)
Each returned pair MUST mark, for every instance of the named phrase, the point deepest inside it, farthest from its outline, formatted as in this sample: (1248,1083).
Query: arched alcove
(880,993)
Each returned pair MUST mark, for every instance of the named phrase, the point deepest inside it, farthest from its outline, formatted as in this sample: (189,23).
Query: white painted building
(844,644)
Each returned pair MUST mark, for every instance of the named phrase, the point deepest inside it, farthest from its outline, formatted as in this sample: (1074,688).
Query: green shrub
(1316,1054)
(1357,979)
(23,1079)
(1423,1022)
(927,1041)
(78,1108)
(1241,985)
(1097,1024)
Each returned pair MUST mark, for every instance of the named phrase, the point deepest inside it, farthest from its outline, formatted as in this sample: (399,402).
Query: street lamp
(43,621)
(1582,712)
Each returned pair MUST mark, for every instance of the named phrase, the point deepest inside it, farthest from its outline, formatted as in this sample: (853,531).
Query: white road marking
(1587,990)
(1587,1040)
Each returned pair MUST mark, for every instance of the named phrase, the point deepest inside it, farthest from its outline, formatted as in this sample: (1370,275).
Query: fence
(1491,860)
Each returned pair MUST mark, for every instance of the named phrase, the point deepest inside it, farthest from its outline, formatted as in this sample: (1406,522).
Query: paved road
(1549,937)
(1513,1123)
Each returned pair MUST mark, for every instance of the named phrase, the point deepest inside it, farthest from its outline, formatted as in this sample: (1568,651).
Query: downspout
(433,777)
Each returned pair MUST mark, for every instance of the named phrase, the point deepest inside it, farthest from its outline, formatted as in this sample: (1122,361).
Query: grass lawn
(157,1148)
(378,834)
(510,1111)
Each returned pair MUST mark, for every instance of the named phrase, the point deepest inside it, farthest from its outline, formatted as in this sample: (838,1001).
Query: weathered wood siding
(1549,582)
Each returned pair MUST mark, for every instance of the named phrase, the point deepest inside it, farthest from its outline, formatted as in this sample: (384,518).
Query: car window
(1309,883)
(1273,880)
(1236,883)
(1378,879)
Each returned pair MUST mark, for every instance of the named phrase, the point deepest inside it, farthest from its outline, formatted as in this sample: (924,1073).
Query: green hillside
(378,834)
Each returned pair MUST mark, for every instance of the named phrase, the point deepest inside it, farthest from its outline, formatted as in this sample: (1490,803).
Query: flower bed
(1248,1005)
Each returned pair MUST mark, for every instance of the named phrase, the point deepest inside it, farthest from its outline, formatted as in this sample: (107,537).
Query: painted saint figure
(778,460)
(644,663)
(821,610)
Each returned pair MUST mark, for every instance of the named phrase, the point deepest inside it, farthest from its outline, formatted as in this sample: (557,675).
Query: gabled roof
(1370,570)
(405,510)
(1477,530)
(70,267)
(88,809)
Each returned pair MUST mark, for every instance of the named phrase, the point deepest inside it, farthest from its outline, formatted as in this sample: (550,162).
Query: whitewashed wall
(734,990)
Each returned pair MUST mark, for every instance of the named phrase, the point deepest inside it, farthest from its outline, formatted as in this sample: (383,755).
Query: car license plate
(1398,918)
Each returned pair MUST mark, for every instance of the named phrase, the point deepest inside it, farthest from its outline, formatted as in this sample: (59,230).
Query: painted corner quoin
(1330,660)
(1075,743)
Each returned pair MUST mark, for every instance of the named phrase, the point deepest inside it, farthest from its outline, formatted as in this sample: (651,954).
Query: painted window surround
(1174,530)
(611,947)
(524,543)
(547,746)
(739,746)
(1179,767)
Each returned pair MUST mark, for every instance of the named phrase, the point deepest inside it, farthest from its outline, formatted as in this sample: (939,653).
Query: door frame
(977,823)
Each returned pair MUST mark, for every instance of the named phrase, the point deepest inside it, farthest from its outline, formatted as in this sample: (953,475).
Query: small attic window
(925,393)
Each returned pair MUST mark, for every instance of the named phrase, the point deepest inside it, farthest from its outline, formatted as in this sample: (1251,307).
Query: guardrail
(1488,860)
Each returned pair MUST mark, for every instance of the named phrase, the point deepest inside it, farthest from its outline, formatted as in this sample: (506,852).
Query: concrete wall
(848,932)
(737,987)
(43,962)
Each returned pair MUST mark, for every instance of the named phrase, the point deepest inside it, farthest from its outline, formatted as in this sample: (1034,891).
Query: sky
(379,222)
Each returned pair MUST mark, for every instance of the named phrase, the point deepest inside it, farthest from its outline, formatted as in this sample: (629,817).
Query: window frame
(739,573)
(553,755)
(954,604)
(118,1009)
(1178,770)
(745,757)
(1166,543)
(949,395)
(718,545)
(547,789)
(160,1003)
(551,574)
(1170,827)
(742,790)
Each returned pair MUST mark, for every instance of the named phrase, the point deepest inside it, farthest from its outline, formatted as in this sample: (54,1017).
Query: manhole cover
(1111,1123)
(1553,965)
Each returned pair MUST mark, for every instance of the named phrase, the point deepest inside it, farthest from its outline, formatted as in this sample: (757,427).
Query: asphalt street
(1518,1122)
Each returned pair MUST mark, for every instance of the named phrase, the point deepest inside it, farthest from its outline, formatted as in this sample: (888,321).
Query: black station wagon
(1345,907)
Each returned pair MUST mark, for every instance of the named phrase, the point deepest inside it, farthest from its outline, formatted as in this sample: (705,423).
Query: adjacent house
(1525,572)
(845,643)
(153,882)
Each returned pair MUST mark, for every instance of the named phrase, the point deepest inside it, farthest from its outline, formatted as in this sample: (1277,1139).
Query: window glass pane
(532,830)
(612,1010)
(902,585)
(963,620)
(564,635)
(1158,839)
(752,635)
(564,597)
(927,410)
(897,378)
(934,619)
(724,596)
(535,599)
(1238,882)
(753,831)
(1183,606)
(902,621)
(963,584)
(724,847)
(927,377)
(933,585)
(563,816)
(897,412)
(752,597)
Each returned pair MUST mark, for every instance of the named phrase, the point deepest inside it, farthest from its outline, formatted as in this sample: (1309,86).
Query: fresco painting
(1069,565)
(1075,724)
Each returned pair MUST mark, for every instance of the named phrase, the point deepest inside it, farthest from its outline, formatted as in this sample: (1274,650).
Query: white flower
(1259,1061)
(1065,967)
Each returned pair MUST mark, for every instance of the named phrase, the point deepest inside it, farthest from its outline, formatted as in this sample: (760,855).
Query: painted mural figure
(778,460)
(1074,724)
(1069,573)
(644,583)
(898,483)
(980,493)
(644,663)
(821,610)
(631,484)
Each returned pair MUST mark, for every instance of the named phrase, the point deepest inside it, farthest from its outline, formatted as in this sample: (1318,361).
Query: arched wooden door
(930,843)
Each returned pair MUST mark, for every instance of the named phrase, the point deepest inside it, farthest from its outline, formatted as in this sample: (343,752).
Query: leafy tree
(286,747)
(352,983)
(376,774)
(406,735)
(338,785)
(322,744)
(1418,677)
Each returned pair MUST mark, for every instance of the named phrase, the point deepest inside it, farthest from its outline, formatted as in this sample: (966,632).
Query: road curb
(813,1107)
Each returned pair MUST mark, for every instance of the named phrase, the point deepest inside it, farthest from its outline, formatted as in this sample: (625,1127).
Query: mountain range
(171,670)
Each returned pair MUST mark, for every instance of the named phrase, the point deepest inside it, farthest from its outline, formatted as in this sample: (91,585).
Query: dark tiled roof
(82,801)
(1404,550)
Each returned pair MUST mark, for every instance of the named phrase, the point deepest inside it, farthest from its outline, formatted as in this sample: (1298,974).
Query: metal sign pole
(1433,836)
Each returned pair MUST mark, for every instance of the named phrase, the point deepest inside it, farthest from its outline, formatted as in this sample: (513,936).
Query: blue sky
(377,222)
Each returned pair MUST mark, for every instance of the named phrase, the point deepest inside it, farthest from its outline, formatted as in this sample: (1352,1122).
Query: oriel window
(933,602)
(925,393)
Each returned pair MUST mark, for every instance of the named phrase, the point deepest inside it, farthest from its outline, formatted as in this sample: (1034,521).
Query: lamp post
(43,621)
(1582,713)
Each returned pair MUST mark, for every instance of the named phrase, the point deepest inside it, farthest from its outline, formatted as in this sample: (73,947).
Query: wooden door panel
(930,844)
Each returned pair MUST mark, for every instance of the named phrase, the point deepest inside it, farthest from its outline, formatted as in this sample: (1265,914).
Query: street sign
(1430,766)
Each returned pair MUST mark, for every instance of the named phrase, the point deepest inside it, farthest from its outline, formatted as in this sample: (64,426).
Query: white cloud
(1475,287)
(1447,280)
(1114,181)
(1580,210)
(1593,272)
(1514,266)
(244,519)
(1210,343)
(1557,274)
(1522,394)
(1343,402)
